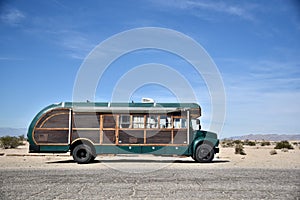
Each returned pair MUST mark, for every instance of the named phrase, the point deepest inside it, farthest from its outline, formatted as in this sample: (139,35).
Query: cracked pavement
(168,183)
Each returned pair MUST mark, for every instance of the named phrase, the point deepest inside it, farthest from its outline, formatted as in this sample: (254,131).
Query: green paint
(196,137)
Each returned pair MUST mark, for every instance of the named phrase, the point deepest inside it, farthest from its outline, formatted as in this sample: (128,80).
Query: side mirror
(198,123)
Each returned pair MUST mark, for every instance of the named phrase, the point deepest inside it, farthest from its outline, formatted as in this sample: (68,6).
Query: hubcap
(204,153)
(81,153)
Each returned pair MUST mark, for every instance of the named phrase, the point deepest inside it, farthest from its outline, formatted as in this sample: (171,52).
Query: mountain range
(267,137)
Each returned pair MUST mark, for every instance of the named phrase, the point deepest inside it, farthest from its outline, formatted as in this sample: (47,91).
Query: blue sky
(255,45)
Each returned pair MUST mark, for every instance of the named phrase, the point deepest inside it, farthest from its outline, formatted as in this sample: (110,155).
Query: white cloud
(77,44)
(12,16)
(242,11)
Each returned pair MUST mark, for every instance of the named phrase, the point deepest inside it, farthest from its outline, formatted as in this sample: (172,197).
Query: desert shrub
(7,142)
(283,145)
(265,143)
(273,152)
(237,142)
(239,149)
(227,143)
(296,143)
(22,138)
(249,143)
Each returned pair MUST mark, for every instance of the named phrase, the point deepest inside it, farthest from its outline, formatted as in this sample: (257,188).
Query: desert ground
(257,175)
(257,157)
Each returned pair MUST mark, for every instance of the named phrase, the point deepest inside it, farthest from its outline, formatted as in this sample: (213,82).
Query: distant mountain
(268,137)
(13,131)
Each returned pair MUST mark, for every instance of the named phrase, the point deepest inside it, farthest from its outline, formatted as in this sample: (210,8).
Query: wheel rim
(205,154)
(82,153)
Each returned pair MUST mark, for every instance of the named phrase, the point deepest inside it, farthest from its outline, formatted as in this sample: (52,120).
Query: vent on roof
(147,100)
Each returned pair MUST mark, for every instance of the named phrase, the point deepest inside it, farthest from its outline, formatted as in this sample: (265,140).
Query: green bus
(87,129)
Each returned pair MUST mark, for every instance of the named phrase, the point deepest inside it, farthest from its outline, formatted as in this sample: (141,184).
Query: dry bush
(249,143)
(265,143)
(237,142)
(283,145)
(8,142)
(239,149)
(227,143)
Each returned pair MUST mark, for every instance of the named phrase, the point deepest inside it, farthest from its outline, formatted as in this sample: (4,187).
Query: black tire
(93,158)
(82,154)
(204,153)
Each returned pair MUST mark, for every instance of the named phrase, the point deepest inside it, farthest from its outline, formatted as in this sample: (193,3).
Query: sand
(257,157)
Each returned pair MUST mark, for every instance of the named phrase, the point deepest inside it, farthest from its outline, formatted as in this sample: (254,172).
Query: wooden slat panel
(51,136)
(50,113)
(86,120)
(92,135)
(131,137)
(109,121)
(180,136)
(158,137)
(109,137)
(58,120)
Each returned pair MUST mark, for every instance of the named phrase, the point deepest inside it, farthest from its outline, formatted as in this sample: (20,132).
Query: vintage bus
(87,129)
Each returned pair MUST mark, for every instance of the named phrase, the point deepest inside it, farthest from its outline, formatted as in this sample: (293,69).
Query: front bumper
(216,150)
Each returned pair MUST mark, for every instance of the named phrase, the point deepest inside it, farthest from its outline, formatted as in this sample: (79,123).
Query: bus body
(89,129)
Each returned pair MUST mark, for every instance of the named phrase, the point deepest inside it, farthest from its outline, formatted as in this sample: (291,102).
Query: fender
(205,137)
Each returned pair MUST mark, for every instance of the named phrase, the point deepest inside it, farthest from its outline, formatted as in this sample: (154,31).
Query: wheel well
(203,142)
(83,141)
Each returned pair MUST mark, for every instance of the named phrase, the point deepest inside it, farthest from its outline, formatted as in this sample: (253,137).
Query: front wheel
(204,153)
(82,154)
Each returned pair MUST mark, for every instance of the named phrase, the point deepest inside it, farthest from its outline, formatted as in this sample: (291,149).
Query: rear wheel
(204,153)
(82,154)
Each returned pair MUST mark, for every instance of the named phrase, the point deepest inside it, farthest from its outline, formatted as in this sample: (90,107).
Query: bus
(88,129)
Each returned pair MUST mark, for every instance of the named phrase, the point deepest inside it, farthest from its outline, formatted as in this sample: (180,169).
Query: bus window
(165,122)
(138,121)
(180,123)
(124,121)
(152,121)
(195,123)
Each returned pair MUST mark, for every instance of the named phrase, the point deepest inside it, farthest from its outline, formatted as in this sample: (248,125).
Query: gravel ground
(161,184)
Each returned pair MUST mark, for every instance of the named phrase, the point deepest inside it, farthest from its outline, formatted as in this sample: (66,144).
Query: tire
(82,154)
(93,158)
(204,153)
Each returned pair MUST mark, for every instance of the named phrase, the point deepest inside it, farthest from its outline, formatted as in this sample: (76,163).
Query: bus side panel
(180,150)
(155,150)
(54,148)
(165,150)
(129,149)
(106,149)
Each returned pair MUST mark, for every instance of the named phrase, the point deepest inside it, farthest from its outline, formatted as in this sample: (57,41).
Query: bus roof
(194,108)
